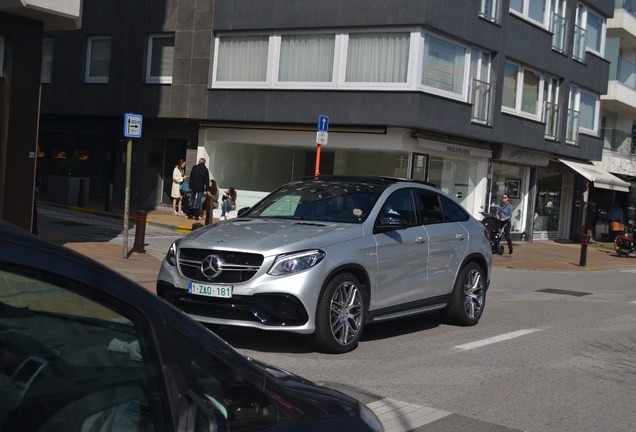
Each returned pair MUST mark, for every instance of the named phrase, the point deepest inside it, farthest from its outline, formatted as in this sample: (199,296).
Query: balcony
(616,140)
(54,14)
(621,91)
(623,24)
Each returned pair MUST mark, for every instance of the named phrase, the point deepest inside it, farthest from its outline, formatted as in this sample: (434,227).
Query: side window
(71,362)
(453,212)
(241,402)
(400,203)
(430,209)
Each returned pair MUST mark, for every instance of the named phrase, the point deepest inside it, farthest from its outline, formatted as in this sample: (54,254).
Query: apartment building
(21,26)
(618,112)
(479,98)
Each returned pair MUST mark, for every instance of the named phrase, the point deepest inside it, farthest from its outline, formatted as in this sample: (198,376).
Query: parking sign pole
(127,194)
(317,172)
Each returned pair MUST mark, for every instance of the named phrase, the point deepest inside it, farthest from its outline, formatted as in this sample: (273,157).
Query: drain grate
(564,292)
(70,223)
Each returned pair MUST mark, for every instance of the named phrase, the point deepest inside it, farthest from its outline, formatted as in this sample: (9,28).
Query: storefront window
(510,180)
(548,204)
(456,177)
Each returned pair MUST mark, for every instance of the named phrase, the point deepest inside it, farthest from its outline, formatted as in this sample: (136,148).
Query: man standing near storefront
(199,179)
(504,214)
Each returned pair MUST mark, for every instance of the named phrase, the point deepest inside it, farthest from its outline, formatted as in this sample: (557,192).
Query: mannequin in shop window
(504,214)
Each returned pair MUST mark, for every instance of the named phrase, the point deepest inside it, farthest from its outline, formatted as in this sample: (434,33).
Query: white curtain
(511,74)
(162,56)
(242,58)
(100,57)
(306,58)
(530,95)
(444,65)
(378,57)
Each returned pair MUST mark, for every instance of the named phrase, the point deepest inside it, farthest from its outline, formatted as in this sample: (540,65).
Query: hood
(270,236)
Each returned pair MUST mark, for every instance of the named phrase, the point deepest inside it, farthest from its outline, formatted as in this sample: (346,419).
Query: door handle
(420,240)
(459,236)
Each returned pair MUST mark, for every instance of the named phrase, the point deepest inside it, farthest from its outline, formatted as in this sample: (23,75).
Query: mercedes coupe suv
(325,256)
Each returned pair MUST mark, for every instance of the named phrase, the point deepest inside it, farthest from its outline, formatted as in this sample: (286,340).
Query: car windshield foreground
(85,349)
(325,256)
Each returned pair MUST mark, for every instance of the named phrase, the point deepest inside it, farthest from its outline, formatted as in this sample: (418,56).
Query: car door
(73,359)
(447,239)
(402,254)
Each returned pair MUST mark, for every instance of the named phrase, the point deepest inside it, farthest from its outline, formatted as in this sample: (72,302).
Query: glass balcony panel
(558,32)
(578,51)
(480,98)
(551,119)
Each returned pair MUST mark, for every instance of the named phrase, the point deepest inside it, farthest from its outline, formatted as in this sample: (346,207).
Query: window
(242,58)
(480,86)
(533,10)
(521,92)
(558,24)
(307,58)
(444,65)
(584,112)
(489,9)
(590,32)
(70,357)
(47,60)
(377,57)
(550,105)
(160,61)
(97,59)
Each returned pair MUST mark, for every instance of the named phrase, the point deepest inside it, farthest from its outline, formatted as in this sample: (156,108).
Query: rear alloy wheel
(468,297)
(340,315)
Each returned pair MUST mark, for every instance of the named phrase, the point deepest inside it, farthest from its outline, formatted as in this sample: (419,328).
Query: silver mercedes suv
(325,256)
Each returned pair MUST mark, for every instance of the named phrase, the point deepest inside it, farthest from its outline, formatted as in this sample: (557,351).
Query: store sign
(529,157)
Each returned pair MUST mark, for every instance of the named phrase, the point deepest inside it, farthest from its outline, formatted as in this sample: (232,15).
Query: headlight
(370,419)
(171,256)
(291,263)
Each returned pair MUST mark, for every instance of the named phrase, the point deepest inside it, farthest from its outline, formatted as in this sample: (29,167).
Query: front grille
(268,309)
(233,267)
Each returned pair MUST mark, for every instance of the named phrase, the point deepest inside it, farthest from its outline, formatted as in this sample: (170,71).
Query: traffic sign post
(321,139)
(132,129)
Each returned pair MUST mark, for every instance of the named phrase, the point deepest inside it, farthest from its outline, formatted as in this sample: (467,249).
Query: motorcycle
(624,243)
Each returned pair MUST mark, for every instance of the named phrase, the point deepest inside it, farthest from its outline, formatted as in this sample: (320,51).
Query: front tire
(340,315)
(468,298)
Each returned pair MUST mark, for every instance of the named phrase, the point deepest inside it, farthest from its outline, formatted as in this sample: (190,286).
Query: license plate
(224,291)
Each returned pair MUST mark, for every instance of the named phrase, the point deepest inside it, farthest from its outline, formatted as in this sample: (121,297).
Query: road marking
(634,302)
(398,416)
(495,339)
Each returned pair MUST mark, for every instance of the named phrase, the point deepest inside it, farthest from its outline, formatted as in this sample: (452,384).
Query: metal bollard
(208,210)
(140,232)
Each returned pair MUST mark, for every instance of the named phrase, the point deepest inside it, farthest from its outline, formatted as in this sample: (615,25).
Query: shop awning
(601,178)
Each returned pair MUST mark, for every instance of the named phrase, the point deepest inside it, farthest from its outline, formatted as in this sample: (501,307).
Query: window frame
(525,13)
(465,73)
(495,10)
(575,99)
(518,109)
(158,79)
(96,79)
(582,20)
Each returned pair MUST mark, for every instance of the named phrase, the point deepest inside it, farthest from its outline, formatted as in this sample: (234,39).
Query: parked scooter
(624,243)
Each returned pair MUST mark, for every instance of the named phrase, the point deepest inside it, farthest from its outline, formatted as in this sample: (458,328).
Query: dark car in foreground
(325,256)
(85,349)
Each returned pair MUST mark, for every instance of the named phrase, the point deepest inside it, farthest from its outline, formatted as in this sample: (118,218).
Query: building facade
(21,27)
(490,98)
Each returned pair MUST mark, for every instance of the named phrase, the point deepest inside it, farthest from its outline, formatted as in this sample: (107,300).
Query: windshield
(320,201)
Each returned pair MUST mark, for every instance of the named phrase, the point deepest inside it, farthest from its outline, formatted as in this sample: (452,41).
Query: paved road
(554,351)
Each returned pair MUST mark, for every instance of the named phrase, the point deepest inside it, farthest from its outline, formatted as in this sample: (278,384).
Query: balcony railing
(626,73)
(578,50)
(551,119)
(572,127)
(480,98)
(614,139)
(557,27)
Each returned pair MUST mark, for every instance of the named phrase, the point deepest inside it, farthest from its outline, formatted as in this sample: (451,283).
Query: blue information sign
(323,123)
(132,125)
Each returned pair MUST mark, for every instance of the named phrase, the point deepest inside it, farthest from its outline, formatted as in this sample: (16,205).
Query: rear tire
(500,249)
(468,298)
(340,315)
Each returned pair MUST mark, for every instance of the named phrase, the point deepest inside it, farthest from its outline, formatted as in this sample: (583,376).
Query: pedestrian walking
(178,176)
(199,179)
(504,214)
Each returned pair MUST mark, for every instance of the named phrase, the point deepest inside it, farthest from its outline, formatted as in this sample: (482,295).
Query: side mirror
(242,211)
(391,222)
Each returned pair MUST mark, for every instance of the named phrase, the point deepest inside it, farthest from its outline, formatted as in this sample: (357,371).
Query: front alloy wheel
(468,297)
(340,315)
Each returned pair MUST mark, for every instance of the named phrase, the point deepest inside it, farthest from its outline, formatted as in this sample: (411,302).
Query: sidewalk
(544,255)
